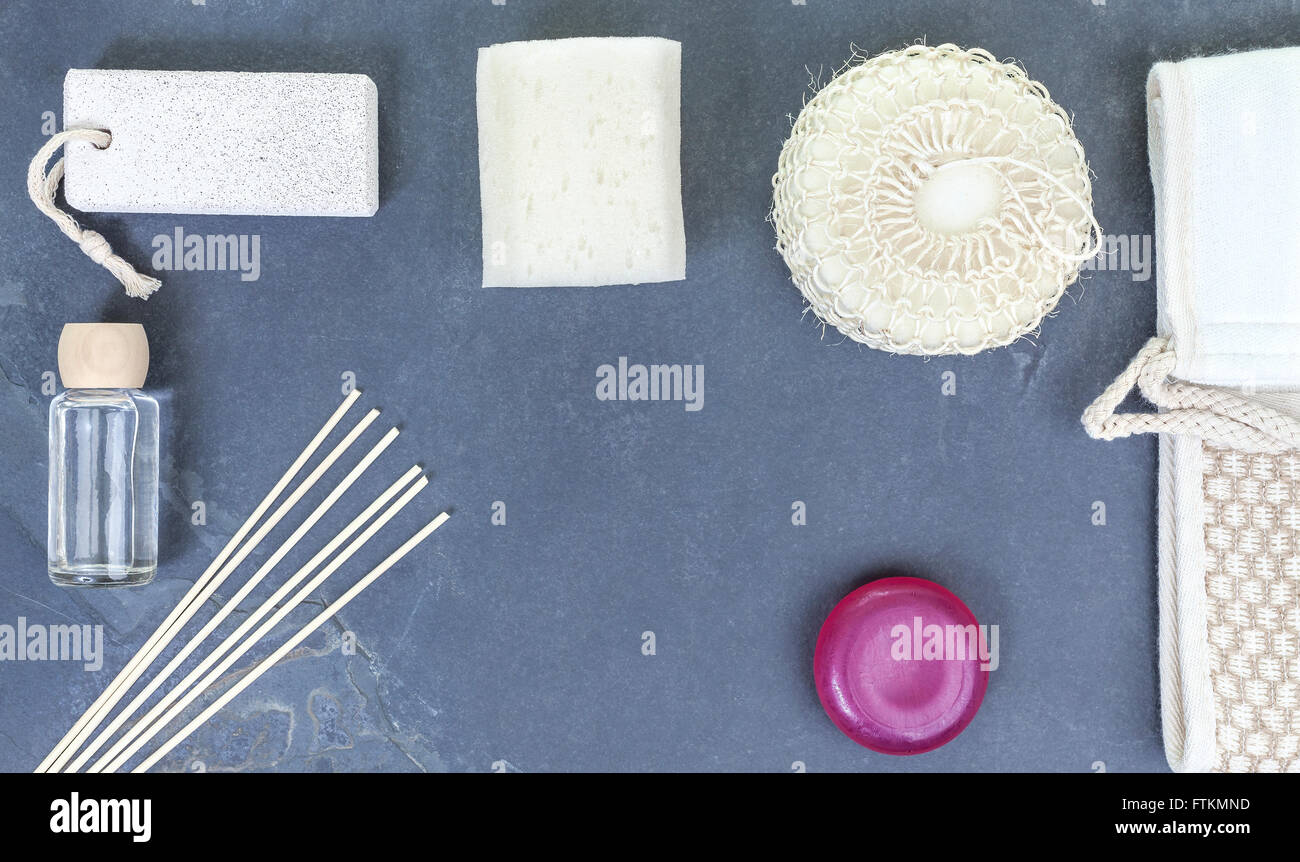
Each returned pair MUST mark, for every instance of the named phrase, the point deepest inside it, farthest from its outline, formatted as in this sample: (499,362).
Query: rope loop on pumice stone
(925,170)
(42,187)
(1216,415)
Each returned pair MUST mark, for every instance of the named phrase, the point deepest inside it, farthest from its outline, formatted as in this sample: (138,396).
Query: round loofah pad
(933,200)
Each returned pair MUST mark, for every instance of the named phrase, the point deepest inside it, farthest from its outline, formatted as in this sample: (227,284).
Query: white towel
(1224,138)
(1223,135)
(1225,373)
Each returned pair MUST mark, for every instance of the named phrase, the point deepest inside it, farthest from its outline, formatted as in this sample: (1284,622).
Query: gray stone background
(519,647)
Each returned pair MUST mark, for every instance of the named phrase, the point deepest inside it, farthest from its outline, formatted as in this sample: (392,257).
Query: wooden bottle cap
(103,356)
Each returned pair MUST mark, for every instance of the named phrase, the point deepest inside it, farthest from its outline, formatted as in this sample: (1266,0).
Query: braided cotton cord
(1216,415)
(42,187)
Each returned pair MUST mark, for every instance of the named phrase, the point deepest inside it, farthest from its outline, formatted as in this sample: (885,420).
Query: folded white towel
(1223,133)
(1225,372)
(1223,136)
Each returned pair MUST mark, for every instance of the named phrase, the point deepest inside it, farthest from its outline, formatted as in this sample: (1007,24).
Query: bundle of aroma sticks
(78,750)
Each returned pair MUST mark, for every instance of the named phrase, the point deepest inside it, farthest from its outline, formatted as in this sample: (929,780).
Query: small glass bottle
(103,504)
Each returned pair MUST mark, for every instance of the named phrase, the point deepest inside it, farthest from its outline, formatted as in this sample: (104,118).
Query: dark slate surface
(519,647)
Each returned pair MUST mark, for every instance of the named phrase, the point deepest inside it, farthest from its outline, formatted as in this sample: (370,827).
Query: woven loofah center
(896,238)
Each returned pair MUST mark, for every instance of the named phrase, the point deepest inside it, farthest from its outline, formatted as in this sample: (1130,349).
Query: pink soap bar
(897,666)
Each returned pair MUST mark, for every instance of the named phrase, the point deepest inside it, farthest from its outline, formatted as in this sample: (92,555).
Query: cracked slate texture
(518,647)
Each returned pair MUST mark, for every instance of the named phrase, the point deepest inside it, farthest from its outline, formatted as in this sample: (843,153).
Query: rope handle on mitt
(1217,415)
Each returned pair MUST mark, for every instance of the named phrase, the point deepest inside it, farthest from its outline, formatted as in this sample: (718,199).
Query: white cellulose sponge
(580,162)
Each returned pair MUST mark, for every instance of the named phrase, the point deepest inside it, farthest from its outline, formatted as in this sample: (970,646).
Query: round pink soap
(897,666)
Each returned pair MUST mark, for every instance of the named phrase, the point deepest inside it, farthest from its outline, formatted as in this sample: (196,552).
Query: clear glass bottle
(103,503)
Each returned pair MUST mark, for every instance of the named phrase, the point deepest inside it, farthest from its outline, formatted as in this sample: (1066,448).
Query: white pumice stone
(580,162)
(231,143)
